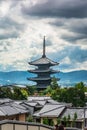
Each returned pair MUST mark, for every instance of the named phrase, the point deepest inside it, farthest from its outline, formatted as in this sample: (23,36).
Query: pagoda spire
(43,70)
(44,48)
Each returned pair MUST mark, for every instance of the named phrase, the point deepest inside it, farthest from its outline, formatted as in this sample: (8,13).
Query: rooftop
(43,61)
(79,111)
(10,107)
(44,71)
(51,110)
(40,78)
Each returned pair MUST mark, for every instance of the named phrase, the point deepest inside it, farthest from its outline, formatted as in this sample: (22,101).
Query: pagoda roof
(43,61)
(43,71)
(42,86)
(40,79)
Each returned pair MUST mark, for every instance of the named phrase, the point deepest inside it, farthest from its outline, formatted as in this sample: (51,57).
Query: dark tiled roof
(11,108)
(38,98)
(8,110)
(42,61)
(44,71)
(40,79)
(72,111)
(50,110)
(5,100)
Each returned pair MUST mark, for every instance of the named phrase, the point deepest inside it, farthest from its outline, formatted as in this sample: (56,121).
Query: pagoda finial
(44,48)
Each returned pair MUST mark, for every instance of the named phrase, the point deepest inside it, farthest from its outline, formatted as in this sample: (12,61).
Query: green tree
(19,93)
(45,121)
(31,90)
(51,123)
(80,94)
(24,93)
(5,92)
(52,90)
(29,118)
(74,95)
(58,120)
(48,91)
(74,119)
(69,117)
(64,118)
(75,116)
(54,84)
(68,120)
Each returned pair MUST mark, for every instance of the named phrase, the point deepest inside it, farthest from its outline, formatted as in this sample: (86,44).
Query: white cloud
(23,37)
(4,8)
(66,60)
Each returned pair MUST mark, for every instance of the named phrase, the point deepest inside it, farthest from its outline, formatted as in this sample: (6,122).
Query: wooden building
(9,110)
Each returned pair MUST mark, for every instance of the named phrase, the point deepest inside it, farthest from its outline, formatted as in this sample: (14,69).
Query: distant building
(42,108)
(43,70)
(12,111)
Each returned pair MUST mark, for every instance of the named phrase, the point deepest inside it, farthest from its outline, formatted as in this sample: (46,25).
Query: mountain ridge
(20,77)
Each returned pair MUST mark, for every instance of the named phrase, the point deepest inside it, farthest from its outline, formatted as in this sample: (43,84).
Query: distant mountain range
(20,77)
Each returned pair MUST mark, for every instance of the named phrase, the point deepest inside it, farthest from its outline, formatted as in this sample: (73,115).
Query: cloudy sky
(24,23)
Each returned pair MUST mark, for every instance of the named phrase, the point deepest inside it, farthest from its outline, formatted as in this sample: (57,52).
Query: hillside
(20,77)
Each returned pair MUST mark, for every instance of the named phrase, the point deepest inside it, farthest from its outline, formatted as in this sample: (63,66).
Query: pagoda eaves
(43,70)
(42,79)
(43,61)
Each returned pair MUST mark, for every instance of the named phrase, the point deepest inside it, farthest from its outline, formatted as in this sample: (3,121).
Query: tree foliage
(74,95)
(29,118)
(31,89)
(6,92)
(15,93)
(20,93)
(45,121)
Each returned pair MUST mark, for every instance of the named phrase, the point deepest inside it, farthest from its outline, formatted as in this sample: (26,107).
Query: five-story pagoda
(43,70)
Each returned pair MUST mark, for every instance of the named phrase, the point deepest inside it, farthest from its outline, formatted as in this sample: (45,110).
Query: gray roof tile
(50,110)
(11,108)
(40,98)
(72,111)
(8,110)
(42,60)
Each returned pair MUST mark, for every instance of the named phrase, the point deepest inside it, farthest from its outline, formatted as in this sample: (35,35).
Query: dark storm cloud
(72,39)
(14,3)
(9,35)
(8,23)
(58,23)
(10,28)
(55,8)
(82,29)
(76,26)
(79,30)
(1,1)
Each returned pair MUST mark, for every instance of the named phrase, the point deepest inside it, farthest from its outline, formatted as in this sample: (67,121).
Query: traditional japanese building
(43,70)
